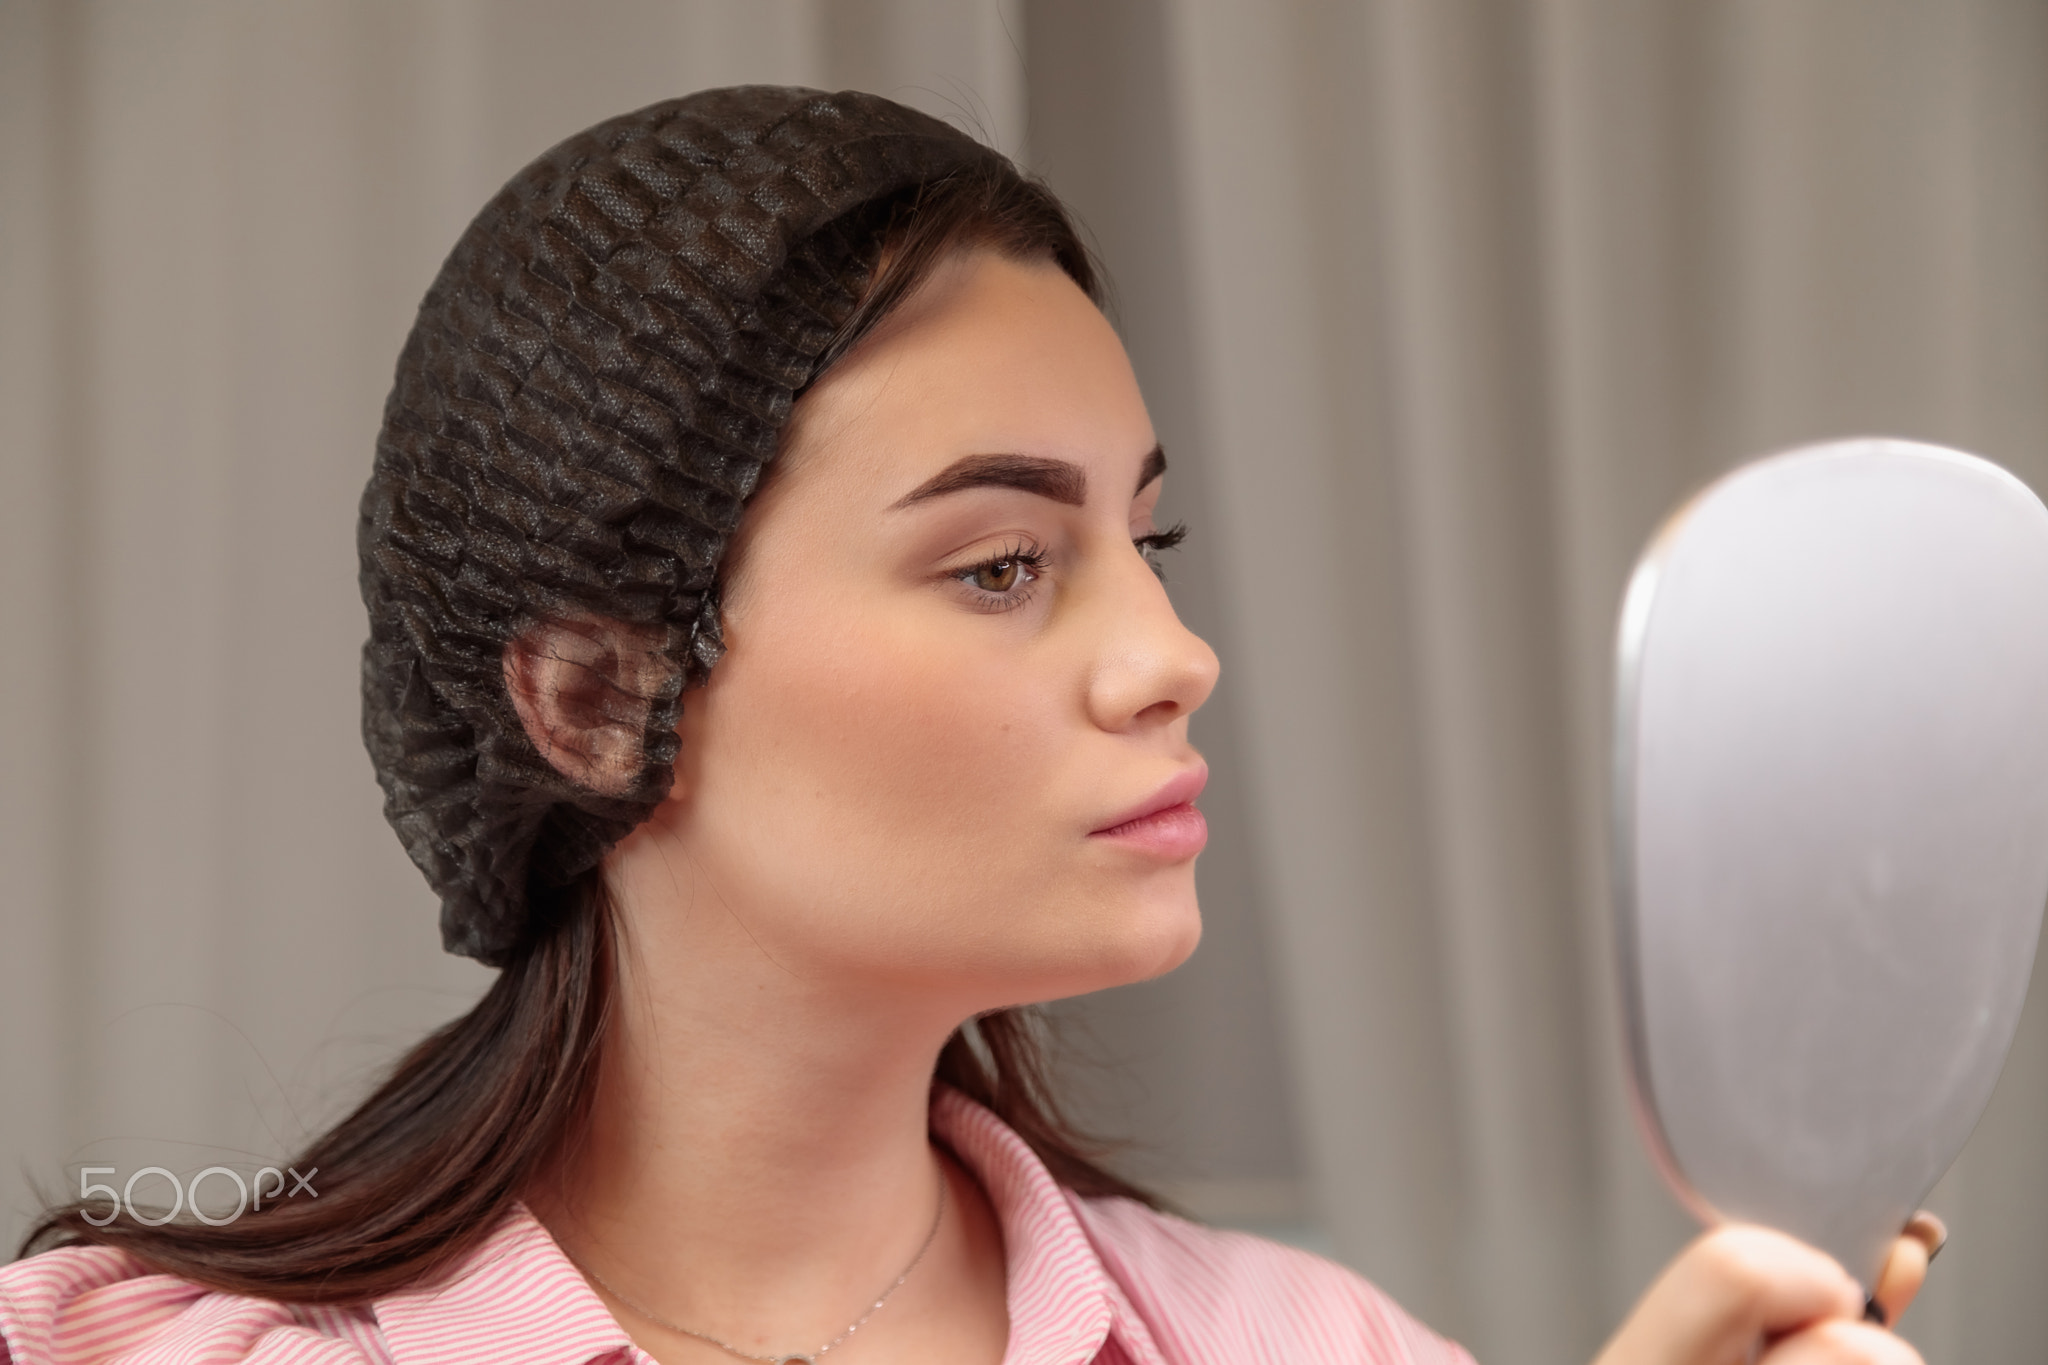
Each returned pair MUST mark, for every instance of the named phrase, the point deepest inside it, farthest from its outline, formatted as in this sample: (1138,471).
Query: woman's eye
(1004,581)
(999,575)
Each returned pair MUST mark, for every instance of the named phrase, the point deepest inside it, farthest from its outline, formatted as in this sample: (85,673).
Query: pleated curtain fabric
(1439,305)
(1481,291)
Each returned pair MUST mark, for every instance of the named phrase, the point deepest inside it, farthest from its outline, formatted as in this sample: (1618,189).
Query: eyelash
(1151,545)
(1033,559)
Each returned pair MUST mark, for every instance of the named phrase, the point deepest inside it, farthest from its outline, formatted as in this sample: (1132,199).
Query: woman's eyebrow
(1059,480)
(1056,479)
(1155,465)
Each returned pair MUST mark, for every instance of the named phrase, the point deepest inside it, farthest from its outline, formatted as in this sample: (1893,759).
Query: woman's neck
(757,1164)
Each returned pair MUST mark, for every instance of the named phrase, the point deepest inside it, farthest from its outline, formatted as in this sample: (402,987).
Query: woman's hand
(1743,1294)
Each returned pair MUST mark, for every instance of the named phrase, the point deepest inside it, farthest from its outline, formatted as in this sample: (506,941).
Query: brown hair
(425,1167)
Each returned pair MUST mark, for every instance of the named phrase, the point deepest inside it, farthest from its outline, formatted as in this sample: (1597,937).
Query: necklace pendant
(797,1360)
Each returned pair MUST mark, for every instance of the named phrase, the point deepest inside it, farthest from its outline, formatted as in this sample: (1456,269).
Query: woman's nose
(1149,668)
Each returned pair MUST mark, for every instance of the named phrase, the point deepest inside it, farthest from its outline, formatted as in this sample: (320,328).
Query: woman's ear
(583,689)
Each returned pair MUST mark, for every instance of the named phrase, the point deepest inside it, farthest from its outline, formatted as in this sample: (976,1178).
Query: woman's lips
(1166,824)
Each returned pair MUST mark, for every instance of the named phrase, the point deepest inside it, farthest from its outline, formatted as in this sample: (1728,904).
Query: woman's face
(952,677)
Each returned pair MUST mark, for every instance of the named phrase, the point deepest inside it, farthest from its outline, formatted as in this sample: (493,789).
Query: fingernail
(1929,1231)
(1873,1311)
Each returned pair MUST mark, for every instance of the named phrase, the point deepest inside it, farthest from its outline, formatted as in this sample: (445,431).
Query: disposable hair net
(593,385)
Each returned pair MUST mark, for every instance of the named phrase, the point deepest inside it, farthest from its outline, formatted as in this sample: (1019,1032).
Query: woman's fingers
(1929,1231)
(1741,1289)
(1731,1289)
(1772,1282)
(1841,1343)
(1903,1274)
(1906,1270)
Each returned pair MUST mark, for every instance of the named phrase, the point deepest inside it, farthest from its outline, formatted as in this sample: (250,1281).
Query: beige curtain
(1438,303)
(216,220)
(1475,291)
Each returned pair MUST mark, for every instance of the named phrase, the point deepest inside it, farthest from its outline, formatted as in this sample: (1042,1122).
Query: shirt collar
(515,1300)
(518,1300)
(1064,1306)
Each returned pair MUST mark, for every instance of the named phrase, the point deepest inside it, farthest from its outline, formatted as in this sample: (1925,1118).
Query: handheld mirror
(1831,829)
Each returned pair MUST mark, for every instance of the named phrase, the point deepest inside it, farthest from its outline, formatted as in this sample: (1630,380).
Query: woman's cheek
(870,741)
(902,787)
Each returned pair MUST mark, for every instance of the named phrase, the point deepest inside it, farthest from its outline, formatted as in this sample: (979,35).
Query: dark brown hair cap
(593,385)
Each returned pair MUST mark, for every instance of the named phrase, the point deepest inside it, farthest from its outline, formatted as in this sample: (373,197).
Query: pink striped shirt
(1101,1281)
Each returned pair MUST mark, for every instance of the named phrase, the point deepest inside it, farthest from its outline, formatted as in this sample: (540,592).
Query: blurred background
(1439,306)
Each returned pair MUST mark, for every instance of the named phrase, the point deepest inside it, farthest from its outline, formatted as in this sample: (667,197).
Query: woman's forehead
(1001,361)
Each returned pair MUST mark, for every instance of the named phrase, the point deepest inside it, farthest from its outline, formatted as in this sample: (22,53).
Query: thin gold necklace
(779,1357)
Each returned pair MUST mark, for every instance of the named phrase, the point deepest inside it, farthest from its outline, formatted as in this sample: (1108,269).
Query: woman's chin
(1174,944)
(1049,947)
(1148,944)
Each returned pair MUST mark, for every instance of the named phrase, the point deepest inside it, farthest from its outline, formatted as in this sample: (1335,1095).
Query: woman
(774,789)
